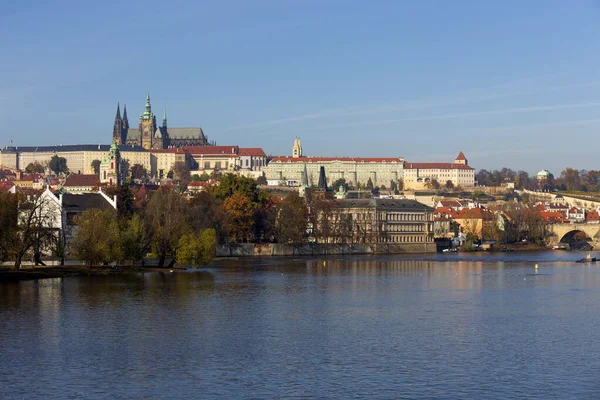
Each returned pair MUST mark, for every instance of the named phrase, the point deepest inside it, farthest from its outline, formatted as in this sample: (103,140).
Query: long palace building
(289,170)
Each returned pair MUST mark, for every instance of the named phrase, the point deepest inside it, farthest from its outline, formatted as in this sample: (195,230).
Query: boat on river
(587,259)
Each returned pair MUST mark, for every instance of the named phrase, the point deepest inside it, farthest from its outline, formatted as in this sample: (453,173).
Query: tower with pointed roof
(297,148)
(147,129)
(461,159)
(118,127)
(125,125)
(111,166)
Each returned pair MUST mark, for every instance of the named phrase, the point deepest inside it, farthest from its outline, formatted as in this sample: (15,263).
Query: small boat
(587,259)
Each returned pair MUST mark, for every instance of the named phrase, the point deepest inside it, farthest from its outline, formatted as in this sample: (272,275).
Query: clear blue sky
(510,83)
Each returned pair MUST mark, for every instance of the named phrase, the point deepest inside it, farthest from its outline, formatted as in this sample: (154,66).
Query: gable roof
(252,151)
(82,180)
(461,157)
(436,166)
(212,150)
(85,201)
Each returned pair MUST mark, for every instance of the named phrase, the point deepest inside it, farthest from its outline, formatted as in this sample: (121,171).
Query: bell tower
(297,148)
(147,127)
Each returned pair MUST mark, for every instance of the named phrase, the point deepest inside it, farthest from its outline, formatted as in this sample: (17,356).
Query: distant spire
(305,177)
(165,118)
(124,111)
(322,179)
(118,116)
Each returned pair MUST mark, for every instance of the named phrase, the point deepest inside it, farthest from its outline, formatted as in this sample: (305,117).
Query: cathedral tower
(125,125)
(118,127)
(147,129)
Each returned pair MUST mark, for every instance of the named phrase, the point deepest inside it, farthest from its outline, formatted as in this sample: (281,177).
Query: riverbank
(32,273)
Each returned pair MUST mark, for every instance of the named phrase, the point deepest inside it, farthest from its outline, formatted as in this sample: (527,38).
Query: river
(444,326)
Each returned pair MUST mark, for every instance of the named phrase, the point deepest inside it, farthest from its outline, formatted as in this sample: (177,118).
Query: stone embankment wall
(276,249)
(571,201)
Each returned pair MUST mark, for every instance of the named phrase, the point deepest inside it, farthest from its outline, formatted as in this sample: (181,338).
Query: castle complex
(151,136)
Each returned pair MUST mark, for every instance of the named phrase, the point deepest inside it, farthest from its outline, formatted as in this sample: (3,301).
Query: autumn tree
(138,171)
(97,238)
(181,172)
(165,217)
(449,184)
(58,165)
(240,212)
(292,220)
(95,164)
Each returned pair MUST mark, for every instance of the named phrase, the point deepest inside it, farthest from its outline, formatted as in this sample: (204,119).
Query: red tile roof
(6,185)
(556,217)
(82,180)
(212,150)
(436,166)
(252,151)
(592,216)
(461,157)
(170,150)
(396,160)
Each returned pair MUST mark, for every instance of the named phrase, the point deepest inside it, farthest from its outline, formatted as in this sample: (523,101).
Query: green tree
(340,182)
(58,165)
(8,222)
(166,222)
(197,249)
(230,184)
(292,220)
(97,238)
(96,166)
(34,167)
(369,185)
(134,239)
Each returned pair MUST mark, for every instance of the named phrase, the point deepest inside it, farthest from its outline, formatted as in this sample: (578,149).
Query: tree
(96,166)
(138,171)
(449,184)
(292,220)
(432,184)
(8,221)
(34,226)
(369,185)
(240,212)
(230,184)
(165,217)
(34,167)
(58,165)
(97,238)
(340,182)
(134,239)
(181,171)
(126,199)
(197,249)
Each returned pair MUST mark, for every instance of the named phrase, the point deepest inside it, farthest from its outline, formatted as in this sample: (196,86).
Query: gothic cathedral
(151,136)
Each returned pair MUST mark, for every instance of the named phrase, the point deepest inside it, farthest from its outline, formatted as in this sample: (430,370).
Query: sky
(510,83)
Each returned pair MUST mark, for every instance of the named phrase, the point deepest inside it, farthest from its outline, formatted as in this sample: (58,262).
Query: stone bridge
(565,232)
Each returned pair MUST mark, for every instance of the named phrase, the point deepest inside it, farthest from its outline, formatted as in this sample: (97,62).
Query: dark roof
(174,133)
(403,205)
(72,147)
(85,201)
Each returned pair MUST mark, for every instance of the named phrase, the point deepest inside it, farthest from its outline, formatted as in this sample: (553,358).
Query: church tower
(125,125)
(147,129)
(111,167)
(297,148)
(118,127)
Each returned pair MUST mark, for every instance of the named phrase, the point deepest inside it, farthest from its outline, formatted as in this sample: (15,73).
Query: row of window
(408,239)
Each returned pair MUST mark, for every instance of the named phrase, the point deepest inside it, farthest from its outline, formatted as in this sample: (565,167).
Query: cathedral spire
(165,118)
(148,113)
(118,116)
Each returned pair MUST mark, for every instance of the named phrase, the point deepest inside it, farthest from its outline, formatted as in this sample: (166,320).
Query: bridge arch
(575,234)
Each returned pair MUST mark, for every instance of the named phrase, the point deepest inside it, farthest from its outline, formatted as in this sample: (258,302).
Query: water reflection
(366,327)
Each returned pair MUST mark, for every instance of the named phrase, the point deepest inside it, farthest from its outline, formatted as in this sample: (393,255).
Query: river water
(446,326)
